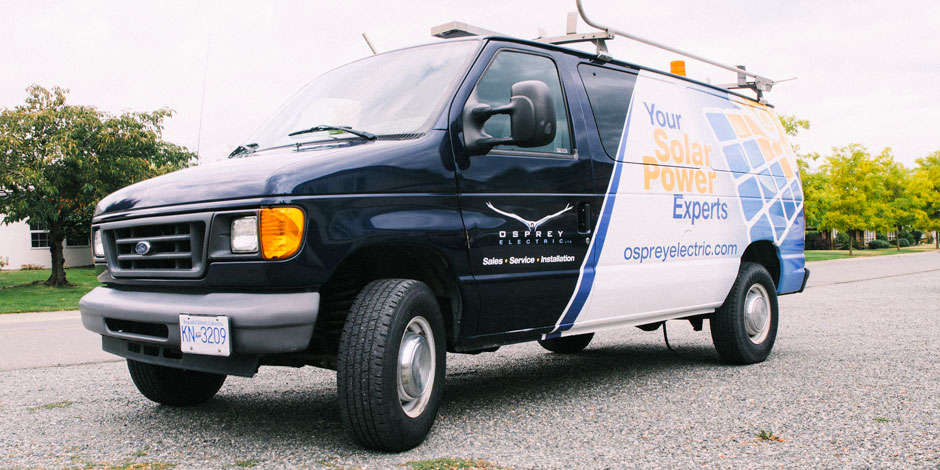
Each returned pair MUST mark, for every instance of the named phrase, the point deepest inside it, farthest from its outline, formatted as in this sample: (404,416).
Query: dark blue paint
(427,192)
(531,186)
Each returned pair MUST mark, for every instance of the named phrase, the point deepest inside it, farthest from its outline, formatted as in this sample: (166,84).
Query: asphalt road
(852,383)
(33,340)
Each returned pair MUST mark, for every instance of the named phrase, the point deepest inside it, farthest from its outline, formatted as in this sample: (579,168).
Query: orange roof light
(677,67)
(282,230)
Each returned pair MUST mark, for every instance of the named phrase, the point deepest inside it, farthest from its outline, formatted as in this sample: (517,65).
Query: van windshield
(392,95)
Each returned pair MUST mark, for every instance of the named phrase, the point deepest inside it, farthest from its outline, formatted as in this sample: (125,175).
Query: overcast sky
(868,71)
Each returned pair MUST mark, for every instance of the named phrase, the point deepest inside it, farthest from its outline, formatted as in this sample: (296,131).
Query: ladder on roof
(759,83)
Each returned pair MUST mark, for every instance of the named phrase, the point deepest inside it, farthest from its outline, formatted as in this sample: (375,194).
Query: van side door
(608,94)
(670,234)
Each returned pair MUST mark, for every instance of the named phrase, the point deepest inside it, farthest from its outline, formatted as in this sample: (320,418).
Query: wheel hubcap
(757,313)
(416,366)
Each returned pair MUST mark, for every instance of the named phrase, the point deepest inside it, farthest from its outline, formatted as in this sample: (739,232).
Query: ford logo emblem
(142,248)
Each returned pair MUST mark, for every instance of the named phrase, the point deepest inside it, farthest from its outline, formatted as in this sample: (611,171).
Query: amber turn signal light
(677,67)
(282,230)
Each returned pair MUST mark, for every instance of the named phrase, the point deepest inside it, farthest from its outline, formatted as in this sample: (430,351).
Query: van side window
(609,92)
(495,88)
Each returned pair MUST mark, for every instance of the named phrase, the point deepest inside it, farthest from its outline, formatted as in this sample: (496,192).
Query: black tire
(743,338)
(567,344)
(376,407)
(175,387)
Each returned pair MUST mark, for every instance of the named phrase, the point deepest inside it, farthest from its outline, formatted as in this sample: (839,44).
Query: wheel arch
(382,261)
(766,254)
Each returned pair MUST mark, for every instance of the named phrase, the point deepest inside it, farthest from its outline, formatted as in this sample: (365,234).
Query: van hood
(313,170)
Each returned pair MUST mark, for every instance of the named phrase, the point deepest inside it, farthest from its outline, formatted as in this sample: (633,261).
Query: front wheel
(745,326)
(391,362)
(175,387)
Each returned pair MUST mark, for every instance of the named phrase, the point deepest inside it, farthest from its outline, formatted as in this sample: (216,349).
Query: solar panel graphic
(763,168)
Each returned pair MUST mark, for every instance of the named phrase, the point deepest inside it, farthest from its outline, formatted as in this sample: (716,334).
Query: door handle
(584,218)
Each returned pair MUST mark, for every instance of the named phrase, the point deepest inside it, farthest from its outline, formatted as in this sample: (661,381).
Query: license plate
(208,335)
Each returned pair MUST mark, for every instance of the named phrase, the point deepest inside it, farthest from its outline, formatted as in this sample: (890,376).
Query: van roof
(594,57)
(746,79)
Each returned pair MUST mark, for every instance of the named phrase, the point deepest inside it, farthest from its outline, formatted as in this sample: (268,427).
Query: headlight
(282,230)
(245,235)
(97,244)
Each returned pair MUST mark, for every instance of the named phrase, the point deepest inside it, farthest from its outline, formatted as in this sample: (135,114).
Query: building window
(78,239)
(38,235)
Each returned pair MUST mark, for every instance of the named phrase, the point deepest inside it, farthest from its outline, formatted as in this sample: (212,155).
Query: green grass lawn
(822,255)
(18,294)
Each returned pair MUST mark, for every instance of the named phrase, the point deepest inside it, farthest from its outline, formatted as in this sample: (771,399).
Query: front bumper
(144,325)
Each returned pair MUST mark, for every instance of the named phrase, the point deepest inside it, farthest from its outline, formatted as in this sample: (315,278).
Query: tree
(57,160)
(792,125)
(857,190)
(898,209)
(816,198)
(815,194)
(924,188)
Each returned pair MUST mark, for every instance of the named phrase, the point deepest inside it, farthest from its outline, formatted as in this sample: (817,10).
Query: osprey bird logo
(530,224)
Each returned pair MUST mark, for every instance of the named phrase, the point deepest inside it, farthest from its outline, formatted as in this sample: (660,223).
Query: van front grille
(169,246)
(154,248)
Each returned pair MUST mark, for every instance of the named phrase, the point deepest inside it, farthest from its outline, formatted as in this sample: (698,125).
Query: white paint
(16,247)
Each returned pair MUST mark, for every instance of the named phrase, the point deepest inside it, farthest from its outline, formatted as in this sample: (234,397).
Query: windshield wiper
(243,149)
(320,128)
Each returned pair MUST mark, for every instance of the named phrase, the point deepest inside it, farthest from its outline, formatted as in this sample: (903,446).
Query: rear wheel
(176,387)
(744,328)
(567,344)
(390,368)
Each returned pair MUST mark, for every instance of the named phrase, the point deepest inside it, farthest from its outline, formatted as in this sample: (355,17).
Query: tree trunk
(832,238)
(56,239)
(851,241)
(897,238)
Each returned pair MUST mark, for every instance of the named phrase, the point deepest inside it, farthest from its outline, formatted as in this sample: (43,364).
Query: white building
(22,243)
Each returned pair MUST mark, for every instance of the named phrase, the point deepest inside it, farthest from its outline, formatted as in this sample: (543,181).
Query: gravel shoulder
(852,383)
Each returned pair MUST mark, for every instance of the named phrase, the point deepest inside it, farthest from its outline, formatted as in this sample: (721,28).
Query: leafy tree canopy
(924,189)
(815,183)
(857,190)
(792,124)
(57,160)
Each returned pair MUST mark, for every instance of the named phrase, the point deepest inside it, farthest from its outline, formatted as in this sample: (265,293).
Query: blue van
(452,198)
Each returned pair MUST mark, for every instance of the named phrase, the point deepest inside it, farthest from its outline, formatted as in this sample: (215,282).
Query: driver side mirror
(531,113)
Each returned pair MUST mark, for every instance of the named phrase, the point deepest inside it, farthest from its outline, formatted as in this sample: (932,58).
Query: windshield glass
(394,94)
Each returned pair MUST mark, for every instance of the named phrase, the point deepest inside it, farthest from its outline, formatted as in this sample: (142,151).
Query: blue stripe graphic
(587,279)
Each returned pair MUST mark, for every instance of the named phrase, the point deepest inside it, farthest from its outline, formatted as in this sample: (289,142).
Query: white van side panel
(682,206)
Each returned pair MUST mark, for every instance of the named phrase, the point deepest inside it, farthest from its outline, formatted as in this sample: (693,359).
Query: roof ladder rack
(459,29)
(571,36)
(759,84)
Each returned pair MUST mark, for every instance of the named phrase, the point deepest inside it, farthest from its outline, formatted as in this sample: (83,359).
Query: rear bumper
(260,323)
(805,278)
